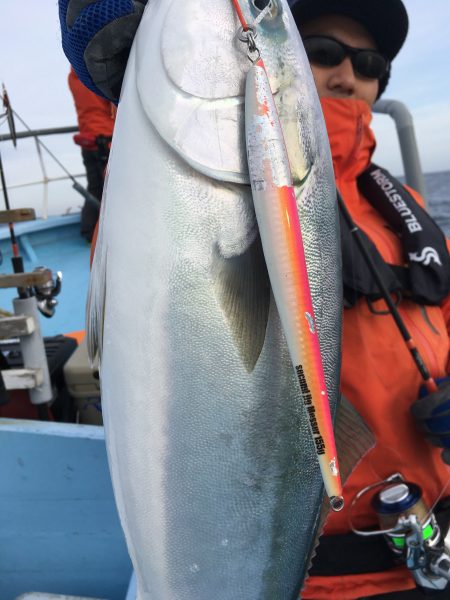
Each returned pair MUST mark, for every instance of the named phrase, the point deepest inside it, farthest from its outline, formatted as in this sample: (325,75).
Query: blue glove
(97,36)
(432,414)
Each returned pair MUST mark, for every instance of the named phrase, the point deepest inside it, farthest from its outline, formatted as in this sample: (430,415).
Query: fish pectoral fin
(243,291)
(353,440)
(95,308)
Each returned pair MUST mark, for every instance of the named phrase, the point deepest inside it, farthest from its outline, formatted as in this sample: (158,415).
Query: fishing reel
(46,292)
(411,531)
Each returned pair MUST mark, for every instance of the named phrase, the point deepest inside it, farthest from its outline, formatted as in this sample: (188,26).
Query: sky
(34,69)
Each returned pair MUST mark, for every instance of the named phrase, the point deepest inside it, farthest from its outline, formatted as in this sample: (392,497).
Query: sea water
(437,186)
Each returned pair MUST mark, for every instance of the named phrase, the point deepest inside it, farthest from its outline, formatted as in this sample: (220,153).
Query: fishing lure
(281,237)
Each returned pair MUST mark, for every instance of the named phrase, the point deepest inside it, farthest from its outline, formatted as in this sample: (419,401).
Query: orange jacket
(378,374)
(95,115)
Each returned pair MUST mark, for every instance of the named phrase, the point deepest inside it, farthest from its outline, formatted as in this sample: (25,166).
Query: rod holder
(33,350)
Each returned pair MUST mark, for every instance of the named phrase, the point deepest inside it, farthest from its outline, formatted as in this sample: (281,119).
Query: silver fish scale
(213,467)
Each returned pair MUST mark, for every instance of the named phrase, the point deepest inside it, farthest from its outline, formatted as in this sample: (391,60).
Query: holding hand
(97,36)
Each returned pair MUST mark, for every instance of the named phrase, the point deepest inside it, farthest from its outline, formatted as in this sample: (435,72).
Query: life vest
(425,275)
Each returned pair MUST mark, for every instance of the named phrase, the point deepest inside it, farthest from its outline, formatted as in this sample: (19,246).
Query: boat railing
(37,133)
(44,154)
(407,139)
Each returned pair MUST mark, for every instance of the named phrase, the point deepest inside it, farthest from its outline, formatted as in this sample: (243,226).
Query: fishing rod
(17,261)
(429,382)
(9,116)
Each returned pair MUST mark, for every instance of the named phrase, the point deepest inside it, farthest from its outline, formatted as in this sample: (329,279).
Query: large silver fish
(215,474)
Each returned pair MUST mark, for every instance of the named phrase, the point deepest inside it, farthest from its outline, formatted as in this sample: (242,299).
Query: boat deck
(59,529)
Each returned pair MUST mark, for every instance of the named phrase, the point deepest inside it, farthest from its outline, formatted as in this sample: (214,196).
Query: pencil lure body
(276,212)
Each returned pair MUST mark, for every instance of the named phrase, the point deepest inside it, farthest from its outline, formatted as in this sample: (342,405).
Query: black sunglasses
(328,52)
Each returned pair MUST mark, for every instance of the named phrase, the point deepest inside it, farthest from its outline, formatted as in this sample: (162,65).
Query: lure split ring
(248,37)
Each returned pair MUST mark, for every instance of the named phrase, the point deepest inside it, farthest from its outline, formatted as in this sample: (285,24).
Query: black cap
(385,20)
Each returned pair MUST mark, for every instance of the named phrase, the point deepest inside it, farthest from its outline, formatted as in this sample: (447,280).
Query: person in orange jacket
(350,45)
(95,117)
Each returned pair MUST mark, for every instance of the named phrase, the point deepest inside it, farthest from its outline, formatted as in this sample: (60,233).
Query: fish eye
(273,7)
(261,4)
